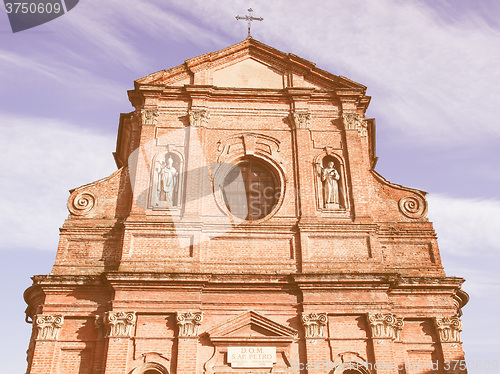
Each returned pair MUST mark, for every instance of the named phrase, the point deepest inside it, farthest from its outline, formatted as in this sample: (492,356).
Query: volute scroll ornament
(314,324)
(82,203)
(48,326)
(119,324)
(189,323)
(386,325)
(413,206)
(449,328)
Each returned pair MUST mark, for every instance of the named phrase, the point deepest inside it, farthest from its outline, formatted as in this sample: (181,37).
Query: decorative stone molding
(149,116)
(82,203)
(48,326)
(189,323)
(386,325)
(198,117)
(449,328)
(413,206)
(119,324)
(314,324)
(353,121)
(300,120)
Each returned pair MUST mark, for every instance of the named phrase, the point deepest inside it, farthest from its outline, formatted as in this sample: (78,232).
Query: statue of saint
(329,177)
(167,182)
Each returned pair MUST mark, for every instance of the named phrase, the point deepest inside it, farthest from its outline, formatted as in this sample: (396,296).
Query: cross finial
(249,18)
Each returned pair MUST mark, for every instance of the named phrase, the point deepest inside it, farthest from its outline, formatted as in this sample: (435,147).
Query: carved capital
(189,323)
(48,326)
(314,324)
(119,324)
(386,325)
(449,328)
(300,120)
(353,121)
(149,116)
(198,117)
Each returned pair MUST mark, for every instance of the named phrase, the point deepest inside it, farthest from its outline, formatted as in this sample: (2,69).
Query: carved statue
(167,182)
(329,177)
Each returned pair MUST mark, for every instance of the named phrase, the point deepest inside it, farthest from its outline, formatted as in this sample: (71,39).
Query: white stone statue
(329,177)
(167,182)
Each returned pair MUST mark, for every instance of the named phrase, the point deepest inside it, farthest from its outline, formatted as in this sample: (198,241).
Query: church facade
(246,231)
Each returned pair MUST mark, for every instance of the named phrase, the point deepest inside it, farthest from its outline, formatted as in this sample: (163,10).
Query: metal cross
(249,18)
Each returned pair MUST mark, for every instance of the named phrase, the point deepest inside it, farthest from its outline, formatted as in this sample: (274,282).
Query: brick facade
(155,274)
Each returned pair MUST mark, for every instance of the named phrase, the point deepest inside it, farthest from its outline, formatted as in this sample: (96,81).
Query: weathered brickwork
(178,257)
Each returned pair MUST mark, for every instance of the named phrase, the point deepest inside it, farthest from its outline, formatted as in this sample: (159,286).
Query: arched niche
(167,181)
(330,175)
(354,369)
(150,368)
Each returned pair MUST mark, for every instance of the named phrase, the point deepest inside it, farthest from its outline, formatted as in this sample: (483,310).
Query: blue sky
(431,68)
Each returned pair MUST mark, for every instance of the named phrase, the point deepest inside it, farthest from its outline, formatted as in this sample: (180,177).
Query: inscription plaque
(251,357)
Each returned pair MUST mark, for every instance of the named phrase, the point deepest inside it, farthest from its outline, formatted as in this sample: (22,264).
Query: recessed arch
(150,368)
(257,181)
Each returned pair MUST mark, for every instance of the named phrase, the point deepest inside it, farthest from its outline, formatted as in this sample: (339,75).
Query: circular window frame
(222,173)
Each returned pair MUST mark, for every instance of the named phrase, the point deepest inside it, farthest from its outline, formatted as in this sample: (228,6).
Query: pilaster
(47,328)
(315,333)
(449,329)
(187,341)
(385,330)
(120,327)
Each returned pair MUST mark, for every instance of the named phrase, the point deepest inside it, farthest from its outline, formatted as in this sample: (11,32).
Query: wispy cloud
(466,227)
(43,159)
(58,74)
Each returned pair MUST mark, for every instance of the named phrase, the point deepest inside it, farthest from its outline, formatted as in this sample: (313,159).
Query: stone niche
(330,182)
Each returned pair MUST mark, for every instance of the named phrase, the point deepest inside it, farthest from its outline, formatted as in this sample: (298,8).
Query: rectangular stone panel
(347,248)
(407,252)
(249,249)
(171,246)
(84,251)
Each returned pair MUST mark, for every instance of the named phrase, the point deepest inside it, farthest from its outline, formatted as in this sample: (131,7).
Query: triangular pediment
(248,73)
(249,64)
(251,325)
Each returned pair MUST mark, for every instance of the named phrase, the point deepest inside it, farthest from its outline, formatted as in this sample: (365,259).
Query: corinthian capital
(48,326)
(149,116)
(449,328)
(198,117)
(119,324)
(386,325)
(353,121)
(300,120)
(314,324)
(189,323)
